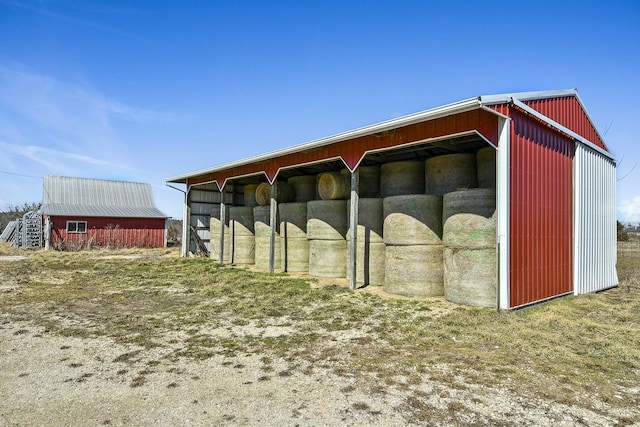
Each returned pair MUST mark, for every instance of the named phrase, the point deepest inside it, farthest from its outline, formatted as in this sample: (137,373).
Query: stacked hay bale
(326,230)
(304,187)
(413,240)
(370,248)
(284,193)
(249,191)
(215,228)
(469,238)
(398,178)
(242,235)
(262,228)
(486,165)
(294,246)
(451,172)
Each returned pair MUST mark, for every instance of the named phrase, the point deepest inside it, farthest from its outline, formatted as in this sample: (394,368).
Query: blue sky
(146,90)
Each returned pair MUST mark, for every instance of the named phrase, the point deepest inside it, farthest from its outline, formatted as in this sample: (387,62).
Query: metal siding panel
(124,232)
(568,112)
(541,232)
(595,230)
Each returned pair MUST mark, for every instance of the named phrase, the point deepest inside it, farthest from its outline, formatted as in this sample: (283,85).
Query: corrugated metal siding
(114,232)
(201,201)
(568,112)
(352,150)
(595,221)
(541,230)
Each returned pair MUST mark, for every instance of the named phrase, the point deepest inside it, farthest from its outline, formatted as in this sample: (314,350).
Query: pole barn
(499,201)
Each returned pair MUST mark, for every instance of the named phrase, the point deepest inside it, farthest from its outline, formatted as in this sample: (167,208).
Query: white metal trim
(502,230)
(526,96)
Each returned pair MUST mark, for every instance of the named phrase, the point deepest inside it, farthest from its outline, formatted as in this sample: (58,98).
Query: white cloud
(629,210)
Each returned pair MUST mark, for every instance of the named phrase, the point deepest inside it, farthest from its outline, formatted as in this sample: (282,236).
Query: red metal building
(555,178)
(81,212)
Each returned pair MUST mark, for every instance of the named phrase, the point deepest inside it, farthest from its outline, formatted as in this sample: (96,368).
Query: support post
(223,219)
(273,214)
(186,222)
(353,228)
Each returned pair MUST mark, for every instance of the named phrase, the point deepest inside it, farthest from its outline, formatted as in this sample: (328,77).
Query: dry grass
(578,350)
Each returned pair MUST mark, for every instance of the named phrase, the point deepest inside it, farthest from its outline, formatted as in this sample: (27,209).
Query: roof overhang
(434,113)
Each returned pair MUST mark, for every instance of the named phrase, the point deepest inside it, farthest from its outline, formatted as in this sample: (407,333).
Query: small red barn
(83,212)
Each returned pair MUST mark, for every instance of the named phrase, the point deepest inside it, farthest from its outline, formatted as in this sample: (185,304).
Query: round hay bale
(369,262)
(262,221)
(214,242)
(293,220)
(369,186)
(327,219)
(414,271)
(284,193)
(486,166)
(451,172)
(249,191)
(334,186)
(470,276)
(241,220)
(243,250)
(412,220)
(328,258)
(369,220)
(294,254)
(304,187)
(262,253)
(469,218)
(397,178)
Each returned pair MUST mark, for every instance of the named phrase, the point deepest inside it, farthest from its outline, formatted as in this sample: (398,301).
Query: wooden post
(353,227)
(223,219)
(186,221)
(272,227)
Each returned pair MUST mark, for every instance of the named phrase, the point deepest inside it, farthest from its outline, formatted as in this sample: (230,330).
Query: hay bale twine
(262,221)
(249,191)
(469,218)
(486,166)
(412,220)
(450,172)
(334,186)
(214,242)
(369,220)
(294,254)
(327,219)
(369,262)
(243,250)
(470,276)
(369,185)
(262,253)
(328,258)
(241,220)
(397,178)
(304,187)
(415,271)
(284,193)
(293,220)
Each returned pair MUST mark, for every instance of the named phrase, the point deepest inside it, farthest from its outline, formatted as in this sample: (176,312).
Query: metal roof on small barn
(98,198)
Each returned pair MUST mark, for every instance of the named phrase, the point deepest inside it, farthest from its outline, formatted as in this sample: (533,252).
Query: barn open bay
(139,336)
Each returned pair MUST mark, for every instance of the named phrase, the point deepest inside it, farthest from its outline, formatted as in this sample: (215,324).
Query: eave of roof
(454,108)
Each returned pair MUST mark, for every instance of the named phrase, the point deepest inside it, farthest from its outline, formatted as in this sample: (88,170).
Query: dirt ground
(56,378)
(66,381)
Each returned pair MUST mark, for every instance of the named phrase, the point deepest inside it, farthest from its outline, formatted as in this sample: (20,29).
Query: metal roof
(64,196)
(479,102)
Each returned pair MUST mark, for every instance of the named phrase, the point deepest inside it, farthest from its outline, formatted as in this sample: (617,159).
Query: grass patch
(194,308)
